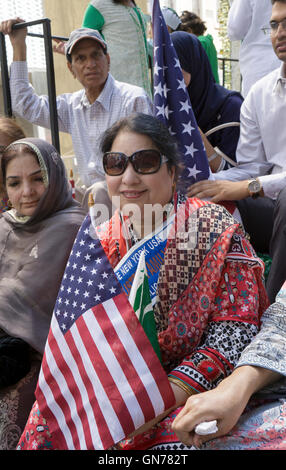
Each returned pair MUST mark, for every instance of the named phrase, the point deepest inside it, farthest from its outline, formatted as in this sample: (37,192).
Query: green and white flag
(140,300)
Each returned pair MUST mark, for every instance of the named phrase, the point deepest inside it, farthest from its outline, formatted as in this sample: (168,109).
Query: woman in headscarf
(9,131)
(205,289)
(36,237)
(212,104)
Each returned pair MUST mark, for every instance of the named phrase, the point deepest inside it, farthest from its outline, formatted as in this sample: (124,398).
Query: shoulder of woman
(66,217)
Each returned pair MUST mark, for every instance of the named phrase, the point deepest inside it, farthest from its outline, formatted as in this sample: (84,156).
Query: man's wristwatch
(254,188)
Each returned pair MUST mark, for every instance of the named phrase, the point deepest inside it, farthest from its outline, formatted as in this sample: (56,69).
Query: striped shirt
(77,116)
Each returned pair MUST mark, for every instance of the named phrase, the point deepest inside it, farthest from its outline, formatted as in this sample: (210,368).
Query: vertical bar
(5,77)
(51,83)
(49,71)
(223,72)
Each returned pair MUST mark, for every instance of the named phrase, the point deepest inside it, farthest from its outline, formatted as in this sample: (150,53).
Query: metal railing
(223,61)
(47,36)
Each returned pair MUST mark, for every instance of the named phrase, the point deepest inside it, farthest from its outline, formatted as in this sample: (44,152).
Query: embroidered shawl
(210,275)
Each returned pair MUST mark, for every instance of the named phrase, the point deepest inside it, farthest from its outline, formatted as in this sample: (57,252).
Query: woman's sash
(154,248)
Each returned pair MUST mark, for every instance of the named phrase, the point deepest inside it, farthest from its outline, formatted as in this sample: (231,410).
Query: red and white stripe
(101,380)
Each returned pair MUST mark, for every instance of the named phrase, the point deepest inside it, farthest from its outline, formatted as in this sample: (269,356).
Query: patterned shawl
(189,274)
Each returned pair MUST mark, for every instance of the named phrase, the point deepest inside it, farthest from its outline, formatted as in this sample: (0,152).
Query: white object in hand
(207,427)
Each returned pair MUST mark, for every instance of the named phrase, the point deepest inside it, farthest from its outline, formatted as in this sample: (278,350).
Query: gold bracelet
(189,391)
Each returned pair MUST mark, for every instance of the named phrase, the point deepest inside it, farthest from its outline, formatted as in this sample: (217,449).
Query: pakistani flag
(140,300)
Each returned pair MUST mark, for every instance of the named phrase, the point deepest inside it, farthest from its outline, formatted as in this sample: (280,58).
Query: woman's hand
(224,404)
(219,190)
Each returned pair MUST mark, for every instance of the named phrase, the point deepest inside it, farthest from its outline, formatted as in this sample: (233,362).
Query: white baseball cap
(171,18)
(83,33)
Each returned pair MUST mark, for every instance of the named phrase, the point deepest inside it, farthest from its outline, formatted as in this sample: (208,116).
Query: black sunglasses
(144,162)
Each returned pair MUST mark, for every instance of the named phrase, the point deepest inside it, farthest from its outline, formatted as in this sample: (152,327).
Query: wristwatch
(254,188)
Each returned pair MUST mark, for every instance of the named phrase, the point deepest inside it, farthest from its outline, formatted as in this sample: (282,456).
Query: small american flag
(172,104)
(100,378)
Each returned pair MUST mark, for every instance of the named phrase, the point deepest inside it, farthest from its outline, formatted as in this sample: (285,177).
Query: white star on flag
(188,128)
(190,149)
(193,171)
(158,89)
(185,106)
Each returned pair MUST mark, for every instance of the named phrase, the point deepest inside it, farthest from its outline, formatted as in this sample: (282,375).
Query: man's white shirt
(261,150)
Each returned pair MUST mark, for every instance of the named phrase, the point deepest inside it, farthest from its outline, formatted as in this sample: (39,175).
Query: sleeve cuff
(19,70)
(272,184)
(184,386)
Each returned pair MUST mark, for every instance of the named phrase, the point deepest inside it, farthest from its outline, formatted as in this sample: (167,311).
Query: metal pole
(46,22)
(51,84)
(5,77)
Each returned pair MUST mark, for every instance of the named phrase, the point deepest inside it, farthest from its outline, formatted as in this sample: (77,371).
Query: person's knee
(280,208)
(281,199)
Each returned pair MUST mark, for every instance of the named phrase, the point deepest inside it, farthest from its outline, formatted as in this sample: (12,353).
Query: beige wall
(65,16)
(142,4)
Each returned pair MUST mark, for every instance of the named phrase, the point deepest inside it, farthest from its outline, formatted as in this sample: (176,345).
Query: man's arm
(222,190)
(239,19)
(232,184)
(25,102)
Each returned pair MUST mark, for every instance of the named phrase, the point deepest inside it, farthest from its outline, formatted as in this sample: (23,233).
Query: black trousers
(264,220)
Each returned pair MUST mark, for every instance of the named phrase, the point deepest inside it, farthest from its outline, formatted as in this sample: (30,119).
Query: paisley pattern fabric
(261,427)
(15,404)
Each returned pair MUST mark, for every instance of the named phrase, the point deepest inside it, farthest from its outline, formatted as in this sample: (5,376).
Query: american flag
(100,378)
(172,104)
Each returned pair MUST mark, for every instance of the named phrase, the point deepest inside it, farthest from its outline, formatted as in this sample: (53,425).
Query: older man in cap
(84,114)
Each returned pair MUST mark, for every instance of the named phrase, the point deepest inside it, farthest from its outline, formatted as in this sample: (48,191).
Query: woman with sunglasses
(208,290)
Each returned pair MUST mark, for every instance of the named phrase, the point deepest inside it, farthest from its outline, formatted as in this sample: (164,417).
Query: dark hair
(11,129)
(191,22)
(11,152)
(277,1)
(150,126)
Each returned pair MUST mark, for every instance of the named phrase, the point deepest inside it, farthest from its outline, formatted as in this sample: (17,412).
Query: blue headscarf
(207,97)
